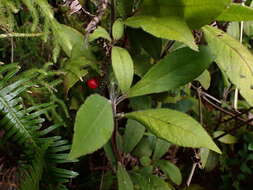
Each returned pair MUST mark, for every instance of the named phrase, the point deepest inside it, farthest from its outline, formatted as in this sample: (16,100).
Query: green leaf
(118,29)
(236,12)
(71,41)
(74,69)
(175,127)
(171,170)
(124,180)
(133,133)
(227,139)
(143,181)
(197,13)
(235,60)
(100,32)
(177,69)
(204,79)
(93,126)
(161,148)
(124,7)
(145,147)
(123,68)
(172,28)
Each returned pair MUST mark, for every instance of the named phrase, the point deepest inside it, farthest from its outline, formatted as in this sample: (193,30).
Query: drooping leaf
(133,133)
(123,68)
(197,13)
(171,170)
(100,32)
(172,28)
(161,148)
(235,60)
(175,127)
(236,12)
(124,180)
(204,79)
(177,69)
(93,126)
(71,41)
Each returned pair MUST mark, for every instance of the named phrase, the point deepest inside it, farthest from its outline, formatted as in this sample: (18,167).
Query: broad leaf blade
(236,12)
(123,68)
(235,60)
(124,180)
(197,13)
(171,170)
(93,126)
(177,69)
(175,127)
(172,28)
(133,133)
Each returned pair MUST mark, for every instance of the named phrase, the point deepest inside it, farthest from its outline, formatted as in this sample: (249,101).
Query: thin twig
(20,35)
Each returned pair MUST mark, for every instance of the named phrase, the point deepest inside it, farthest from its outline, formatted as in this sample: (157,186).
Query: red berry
(93,83)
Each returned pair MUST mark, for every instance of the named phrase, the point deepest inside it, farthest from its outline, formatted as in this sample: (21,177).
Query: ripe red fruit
(93,83)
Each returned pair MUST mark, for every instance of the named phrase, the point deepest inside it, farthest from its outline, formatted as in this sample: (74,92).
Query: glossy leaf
(124,180)
(133,133)
(171,170)
(236,12)
(177,69)
(235,60)
(123,68)
(197,13)
(172,28)
(175,127)
(93,126)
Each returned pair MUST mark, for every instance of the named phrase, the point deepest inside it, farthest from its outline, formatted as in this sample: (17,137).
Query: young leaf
(175,127)
(118,29)
(172,28)
(177,69)
(133,133)
(236,12)
(93,126)
(227,139)
(235,60)
(197,13)
(124,180)
(123,68)
(204,79)
(171,170)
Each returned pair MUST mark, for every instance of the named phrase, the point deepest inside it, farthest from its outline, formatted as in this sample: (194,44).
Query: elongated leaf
(236,12)
(171,170)
(123,68)
(93,126)
(133,133)
(197,13)
(175,127)
(234,60)
(227,139)
(177,69)
(124,180)
(161,148)
(173,28)
(118,29)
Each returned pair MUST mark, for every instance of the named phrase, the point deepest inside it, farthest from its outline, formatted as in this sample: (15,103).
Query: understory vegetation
(126,94)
